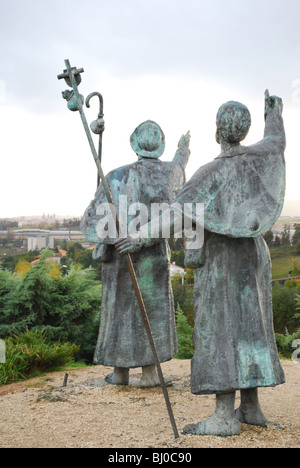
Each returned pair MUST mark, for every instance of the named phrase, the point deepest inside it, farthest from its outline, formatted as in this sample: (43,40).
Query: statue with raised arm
(243,193)
(122,341)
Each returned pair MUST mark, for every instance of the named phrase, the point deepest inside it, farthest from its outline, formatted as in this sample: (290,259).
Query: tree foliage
(67,307)
(269,237)
(183,297)
(184,336)
(296,236)
(284,307)
(285,237)
(76,254)
(22,267)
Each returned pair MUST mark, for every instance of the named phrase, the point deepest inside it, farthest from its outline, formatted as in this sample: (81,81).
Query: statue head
(148,140)
(233,122)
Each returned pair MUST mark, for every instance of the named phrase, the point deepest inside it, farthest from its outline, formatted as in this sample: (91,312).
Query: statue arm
(146,237)
(274,131)
(103,250)
(274,135)
(183,152)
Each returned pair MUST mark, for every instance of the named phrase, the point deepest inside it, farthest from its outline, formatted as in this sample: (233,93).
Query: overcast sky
(171,61)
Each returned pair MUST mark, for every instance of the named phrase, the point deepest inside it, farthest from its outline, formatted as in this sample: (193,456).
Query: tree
(74,249)
(177,256)
(285,238)
(76,254)
(22,267)
(284,307)
(297,248)
(189,276)
(184,336)
(183,297)
(277,241)
(269,236)
(296,236)
(71,223)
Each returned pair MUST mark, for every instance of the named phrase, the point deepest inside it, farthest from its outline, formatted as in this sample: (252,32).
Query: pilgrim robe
(243,193)
(122,340)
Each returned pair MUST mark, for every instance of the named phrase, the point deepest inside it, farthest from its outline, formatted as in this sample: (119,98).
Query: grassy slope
(283,261)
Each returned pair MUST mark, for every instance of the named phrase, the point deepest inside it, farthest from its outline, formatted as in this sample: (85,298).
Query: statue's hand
(128,245)
(184,140)
(272,104)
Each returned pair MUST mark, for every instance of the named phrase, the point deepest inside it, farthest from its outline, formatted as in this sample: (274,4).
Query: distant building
(37,239)
(177,270)
(40,242)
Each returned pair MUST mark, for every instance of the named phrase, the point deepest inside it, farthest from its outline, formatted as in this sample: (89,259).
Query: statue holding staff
(72,76)
(122,341)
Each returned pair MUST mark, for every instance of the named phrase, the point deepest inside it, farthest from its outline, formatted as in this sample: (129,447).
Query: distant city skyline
(291,209)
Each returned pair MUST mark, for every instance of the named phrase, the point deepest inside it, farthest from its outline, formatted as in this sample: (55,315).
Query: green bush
(66,307)
(285,342)
(31,353)
(297,315)
(184,298)
(284,307)
(184,336)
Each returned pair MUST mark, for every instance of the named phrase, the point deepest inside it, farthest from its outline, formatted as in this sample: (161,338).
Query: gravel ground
(87,413)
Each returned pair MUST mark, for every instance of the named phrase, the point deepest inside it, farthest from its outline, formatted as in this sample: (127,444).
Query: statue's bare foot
(215,426)
(120,376)
(256,418)
(155,382)
(150,378)
(249,411)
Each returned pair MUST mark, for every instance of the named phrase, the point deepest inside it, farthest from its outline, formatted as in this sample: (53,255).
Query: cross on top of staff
(75,72)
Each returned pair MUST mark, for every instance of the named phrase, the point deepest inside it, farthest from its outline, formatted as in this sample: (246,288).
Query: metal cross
(66,75)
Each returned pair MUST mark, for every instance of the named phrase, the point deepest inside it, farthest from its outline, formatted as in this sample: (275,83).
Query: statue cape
(242,190)
(146,181)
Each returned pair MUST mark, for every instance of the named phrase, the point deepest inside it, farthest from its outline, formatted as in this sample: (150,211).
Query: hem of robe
(210,391)
(131,365)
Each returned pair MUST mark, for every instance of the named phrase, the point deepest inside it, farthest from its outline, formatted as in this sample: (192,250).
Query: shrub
(297,315)
(184,298)
(30,353)
(285,343)
(297,248)
(184,336)
(284,307)
(66,307)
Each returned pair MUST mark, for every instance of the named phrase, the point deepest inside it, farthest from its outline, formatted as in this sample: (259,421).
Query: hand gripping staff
(75,103)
